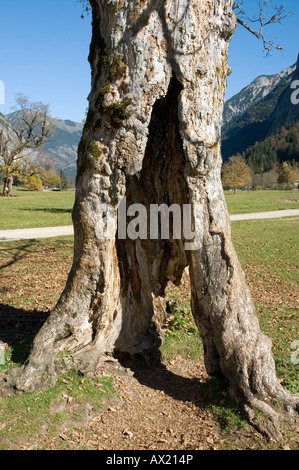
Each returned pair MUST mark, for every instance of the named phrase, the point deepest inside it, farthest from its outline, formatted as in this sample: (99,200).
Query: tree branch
(267,14)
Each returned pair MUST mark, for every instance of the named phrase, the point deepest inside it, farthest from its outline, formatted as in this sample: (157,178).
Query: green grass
(247,202)
(269,247)
(27,416)
(181,334)
(282,330)
(268,252)
(218,402)
(27,209)
(178,342)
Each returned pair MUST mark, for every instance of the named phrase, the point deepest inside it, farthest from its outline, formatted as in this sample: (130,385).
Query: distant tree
(47,163)
(33,183)
(64,184)
(28,131)
(236,173)
(270,178)
(50,178)
(288,174)
(292,137)
(257,181)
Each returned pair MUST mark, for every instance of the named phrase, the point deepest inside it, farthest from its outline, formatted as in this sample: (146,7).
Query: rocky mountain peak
(286,111)
(254,92)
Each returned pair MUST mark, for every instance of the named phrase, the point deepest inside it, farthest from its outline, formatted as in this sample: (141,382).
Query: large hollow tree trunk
(152,136)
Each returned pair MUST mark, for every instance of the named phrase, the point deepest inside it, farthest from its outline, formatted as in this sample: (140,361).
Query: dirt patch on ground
(156,409)
(160,408)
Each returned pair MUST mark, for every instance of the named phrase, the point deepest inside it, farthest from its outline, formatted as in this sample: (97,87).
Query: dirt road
(49,232)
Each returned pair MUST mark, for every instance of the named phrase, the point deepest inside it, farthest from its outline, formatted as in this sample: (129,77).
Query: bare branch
(268,14)
(86,8)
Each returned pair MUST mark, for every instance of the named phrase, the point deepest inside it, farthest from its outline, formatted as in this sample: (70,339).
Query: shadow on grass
(19,252)
(18,329)
(155,375)
(210,394)
(50,210)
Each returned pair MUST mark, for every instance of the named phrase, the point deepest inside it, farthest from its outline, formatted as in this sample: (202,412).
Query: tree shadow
(51,210)
(18,329)
(158,377)
(210,393)
(18,252)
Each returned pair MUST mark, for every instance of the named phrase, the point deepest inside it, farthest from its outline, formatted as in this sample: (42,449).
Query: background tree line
(271,163)
(39,177)
(46,177)
(276,149)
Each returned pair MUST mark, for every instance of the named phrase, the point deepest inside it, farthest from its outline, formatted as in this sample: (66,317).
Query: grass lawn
(27,209)
(247,202)
(268,252)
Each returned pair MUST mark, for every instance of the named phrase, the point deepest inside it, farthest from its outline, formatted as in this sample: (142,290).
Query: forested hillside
(257,112)
(281,147)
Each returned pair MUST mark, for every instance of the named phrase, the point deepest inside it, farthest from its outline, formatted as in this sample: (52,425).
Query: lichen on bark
(168,59)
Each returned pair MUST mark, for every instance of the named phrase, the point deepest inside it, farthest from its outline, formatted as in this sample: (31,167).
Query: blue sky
(45,45)
(247,58)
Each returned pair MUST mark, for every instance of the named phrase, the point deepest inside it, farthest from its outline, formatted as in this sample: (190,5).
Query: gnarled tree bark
(7,185)
(152,135)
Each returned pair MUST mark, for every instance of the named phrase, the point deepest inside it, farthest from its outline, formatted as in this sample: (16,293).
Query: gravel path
(266,215)
(48,232)
(35,233)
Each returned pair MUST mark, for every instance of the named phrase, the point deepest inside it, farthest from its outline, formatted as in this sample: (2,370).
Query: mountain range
(62,148)
(260,109)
